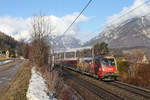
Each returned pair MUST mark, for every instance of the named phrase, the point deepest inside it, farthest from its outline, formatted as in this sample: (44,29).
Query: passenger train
(103,67)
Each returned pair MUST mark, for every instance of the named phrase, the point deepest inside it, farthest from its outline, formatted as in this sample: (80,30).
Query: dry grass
(123,76)
(142,77)
(53,80)
(19,85)
(67,93)
(56,84)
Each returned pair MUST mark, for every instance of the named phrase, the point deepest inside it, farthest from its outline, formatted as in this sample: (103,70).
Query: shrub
(123,66)
(141,78)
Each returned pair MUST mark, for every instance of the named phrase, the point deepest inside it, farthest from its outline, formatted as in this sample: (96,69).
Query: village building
(7,54)
(4,53)
(142,59)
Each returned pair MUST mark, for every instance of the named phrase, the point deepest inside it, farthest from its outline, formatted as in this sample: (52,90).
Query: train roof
(89,58)
(74,49)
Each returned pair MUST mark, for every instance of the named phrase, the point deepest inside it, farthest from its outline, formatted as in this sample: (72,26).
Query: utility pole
(75,55)
(93,51)
(53,54)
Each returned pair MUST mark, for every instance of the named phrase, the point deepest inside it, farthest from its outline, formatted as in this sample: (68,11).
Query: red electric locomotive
(104,67)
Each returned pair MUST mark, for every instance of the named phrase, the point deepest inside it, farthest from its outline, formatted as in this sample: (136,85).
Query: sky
(15,15)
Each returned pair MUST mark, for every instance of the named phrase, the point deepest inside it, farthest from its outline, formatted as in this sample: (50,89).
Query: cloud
(64,22)
(14,26)
(19,28)
(141,9)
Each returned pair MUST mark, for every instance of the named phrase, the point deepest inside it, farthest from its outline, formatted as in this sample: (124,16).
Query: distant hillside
(7,42)
(133,32)
(65,42)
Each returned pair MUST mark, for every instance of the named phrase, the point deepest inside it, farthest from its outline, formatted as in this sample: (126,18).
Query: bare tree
(22,48)
(42,30)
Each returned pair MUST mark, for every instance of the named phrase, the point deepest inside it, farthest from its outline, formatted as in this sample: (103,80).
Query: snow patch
(4,62)
(37,88)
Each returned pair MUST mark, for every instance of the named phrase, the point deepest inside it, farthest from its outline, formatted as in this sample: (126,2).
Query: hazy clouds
(20,28)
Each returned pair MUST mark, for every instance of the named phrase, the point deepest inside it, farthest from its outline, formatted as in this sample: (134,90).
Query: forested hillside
(14,46)
(7,42)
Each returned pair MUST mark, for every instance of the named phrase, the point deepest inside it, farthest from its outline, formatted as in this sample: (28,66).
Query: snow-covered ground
(4,62)
(37,88)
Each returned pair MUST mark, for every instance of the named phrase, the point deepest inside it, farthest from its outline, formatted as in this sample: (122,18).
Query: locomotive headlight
(116,71)
(103,69)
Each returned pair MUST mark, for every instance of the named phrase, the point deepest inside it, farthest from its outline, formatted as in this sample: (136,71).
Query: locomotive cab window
(112,62)
(108,62)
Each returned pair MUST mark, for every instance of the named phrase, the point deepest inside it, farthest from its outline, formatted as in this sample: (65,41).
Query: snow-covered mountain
(134,32)
(65,42)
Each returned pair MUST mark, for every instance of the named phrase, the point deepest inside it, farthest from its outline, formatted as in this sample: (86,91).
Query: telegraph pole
(53,54)
(93,51)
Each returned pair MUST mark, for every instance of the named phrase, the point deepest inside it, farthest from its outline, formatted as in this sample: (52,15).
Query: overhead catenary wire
(78,16)
(124,25)
(119,18)
(131,11)
(111,21)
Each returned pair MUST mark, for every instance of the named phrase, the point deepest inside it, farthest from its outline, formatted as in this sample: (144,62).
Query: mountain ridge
(65,42)
(131,33)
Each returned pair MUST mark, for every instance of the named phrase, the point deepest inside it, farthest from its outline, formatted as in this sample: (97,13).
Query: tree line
(15,47)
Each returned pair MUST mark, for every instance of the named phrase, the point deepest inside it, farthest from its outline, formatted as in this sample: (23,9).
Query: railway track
(144,93)
(133,89)
(97,90)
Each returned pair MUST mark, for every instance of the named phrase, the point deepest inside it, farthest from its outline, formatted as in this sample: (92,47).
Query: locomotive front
(108,68)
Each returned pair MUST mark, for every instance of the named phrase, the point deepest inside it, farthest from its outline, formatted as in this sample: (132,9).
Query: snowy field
(37,88)
(4,62)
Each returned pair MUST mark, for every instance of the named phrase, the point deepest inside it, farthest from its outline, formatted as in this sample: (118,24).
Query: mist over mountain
(65,42)
(134,32)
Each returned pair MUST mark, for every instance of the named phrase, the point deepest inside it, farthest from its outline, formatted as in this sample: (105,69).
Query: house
(7,54)
(4,53)
(143,59)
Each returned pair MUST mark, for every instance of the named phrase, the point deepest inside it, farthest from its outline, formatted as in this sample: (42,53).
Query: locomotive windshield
(108,62)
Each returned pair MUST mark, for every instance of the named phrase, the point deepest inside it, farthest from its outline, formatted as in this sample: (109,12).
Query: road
(8,71)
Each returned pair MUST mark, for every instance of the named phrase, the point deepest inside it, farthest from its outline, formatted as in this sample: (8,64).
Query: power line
(112,20)
(124,26)
(126,14)
(131,10)
(78,16)
(133,20)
